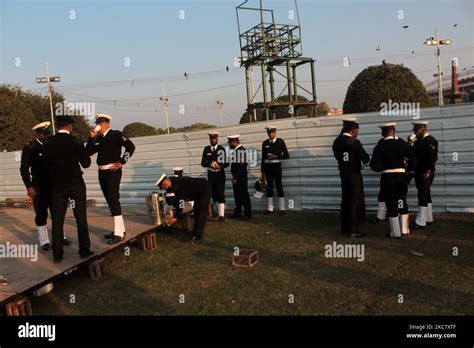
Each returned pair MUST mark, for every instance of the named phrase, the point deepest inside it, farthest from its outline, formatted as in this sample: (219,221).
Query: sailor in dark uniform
(349,154)
(64,155)
(37,182)
(108,143)
(382,207)
(178,172)
(426,152)
(394,158)
(180,190)
(238,169)
(345,123)
(214,159)
(273,152)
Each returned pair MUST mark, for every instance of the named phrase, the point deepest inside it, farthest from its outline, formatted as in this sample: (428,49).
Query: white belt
(272,161)
(213,170)
(106,166)
(396,170)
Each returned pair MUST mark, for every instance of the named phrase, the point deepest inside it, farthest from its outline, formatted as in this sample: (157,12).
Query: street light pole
(437,42)
(165,103)
(50,97)
(48,80)
(221,105)
(440,79)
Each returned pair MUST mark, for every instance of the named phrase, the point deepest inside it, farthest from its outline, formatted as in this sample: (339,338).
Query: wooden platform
(17,227)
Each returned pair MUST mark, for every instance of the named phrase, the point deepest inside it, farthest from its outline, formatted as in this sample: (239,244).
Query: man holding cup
(108,143)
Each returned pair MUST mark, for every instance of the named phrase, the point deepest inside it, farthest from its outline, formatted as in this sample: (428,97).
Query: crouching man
(182,189)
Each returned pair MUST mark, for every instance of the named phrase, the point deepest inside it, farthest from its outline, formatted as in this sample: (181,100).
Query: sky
(119,55)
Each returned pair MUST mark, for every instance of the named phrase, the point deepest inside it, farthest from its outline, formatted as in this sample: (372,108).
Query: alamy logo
(37,331)
(21,251)
(66,108)
(392,108)
(249,156)
(356,251)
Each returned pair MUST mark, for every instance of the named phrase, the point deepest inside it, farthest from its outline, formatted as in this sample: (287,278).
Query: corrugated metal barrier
(310,176)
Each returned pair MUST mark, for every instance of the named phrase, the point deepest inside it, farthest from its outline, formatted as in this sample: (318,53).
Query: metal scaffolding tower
(275,49)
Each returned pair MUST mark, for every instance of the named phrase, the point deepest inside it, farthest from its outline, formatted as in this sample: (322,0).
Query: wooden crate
(16,202)
(19,307)
(90,203)
(186,223)
(97,269)
(148,241)
(246,258)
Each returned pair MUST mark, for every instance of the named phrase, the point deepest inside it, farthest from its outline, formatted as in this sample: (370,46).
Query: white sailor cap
(350,123)
(271,128)
(349,119)
(102,118)
(387,125)
(233,137)
(41,127)
(213,133)
(419,124)
(160,180)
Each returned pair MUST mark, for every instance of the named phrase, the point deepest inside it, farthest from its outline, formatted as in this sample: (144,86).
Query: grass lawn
(292,261)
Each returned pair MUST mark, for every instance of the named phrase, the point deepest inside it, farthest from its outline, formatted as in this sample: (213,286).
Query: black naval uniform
(109,150)
(272,168)
(394,158)
(426,154)
(32,157)
(349,154)
(191,189)
(380,196)
(215,177)
(238,168)
(63,153)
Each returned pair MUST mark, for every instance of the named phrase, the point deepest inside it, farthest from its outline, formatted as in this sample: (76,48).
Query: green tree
(323,109)
(379,84)
(196,127)
(40,109)
(281,112)
(16,123)
(139,129)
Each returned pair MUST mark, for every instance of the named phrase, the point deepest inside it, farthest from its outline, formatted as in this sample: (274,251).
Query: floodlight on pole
(437,42)
(48,80)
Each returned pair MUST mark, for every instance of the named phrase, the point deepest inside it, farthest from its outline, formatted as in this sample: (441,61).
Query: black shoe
(221,219)
(415,226)
(357,235)
(58,260)
(268,212)
(111,235)
(429,223)
(116,239)
(377,220)
(247,217)
(194,238)
(66,242)
(45,247)
(87,254)
(235,216)
(282,212)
